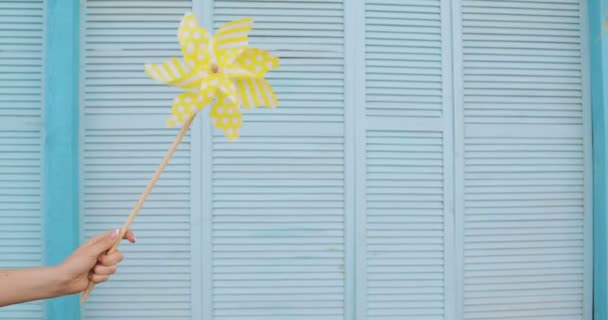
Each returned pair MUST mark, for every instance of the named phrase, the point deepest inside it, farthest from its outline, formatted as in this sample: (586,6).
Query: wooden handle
(144,196)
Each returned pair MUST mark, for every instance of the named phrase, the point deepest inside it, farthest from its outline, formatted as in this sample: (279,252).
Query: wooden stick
(144,196)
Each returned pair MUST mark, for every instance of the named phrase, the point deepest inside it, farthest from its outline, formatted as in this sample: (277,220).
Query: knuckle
(99,278)
(112,270)
(115,258)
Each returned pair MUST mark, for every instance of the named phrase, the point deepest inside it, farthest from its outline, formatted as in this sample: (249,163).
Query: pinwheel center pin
(215,68)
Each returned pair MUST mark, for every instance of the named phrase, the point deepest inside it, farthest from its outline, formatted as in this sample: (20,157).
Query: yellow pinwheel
(222,69)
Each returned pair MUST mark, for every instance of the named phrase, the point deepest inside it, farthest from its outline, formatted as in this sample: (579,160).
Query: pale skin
(87,263)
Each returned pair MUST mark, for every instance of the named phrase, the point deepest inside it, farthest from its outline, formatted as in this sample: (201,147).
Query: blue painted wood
(198,226)
(206,19)
(524,171)
(21,93)
(352,10)
(449,126)
(588,188)
(61,143)
(123,139)
(361,289)
(278,204)
(404,130)
(458,127)
(599,87)
(369,179)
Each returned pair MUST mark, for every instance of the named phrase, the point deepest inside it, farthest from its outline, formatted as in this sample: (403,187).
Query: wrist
(60,284)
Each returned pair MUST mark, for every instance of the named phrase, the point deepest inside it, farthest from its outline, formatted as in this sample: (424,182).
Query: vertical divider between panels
(204,11)
(357,14)
(60,177)
(197,230)
(353,38)
(458,151)
(588,164)
(82,61)
(448,96)
(599,86)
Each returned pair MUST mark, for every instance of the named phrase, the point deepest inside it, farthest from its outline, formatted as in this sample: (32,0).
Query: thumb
(103,242)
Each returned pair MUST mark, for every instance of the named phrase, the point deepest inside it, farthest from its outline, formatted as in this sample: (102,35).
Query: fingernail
(114,234)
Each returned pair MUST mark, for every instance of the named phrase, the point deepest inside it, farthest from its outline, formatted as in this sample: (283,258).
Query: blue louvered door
(123,137)
(274,202)
(523,159)
(21,74)
(404,156)
(429,160)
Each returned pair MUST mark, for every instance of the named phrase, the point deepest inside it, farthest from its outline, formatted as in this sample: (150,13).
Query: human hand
(90,263)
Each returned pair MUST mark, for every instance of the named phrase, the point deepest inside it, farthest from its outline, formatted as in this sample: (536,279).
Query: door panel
(21,77)
(123,139)
(525,163)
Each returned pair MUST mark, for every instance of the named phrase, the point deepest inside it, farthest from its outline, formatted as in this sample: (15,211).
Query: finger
(111,259)
(102,243)
(104,270)
(96,278)
(130,236)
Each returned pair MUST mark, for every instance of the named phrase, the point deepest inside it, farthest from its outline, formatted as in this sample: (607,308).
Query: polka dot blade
(221,70)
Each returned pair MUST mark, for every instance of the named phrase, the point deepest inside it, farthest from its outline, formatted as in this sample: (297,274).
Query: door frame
(598,46)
